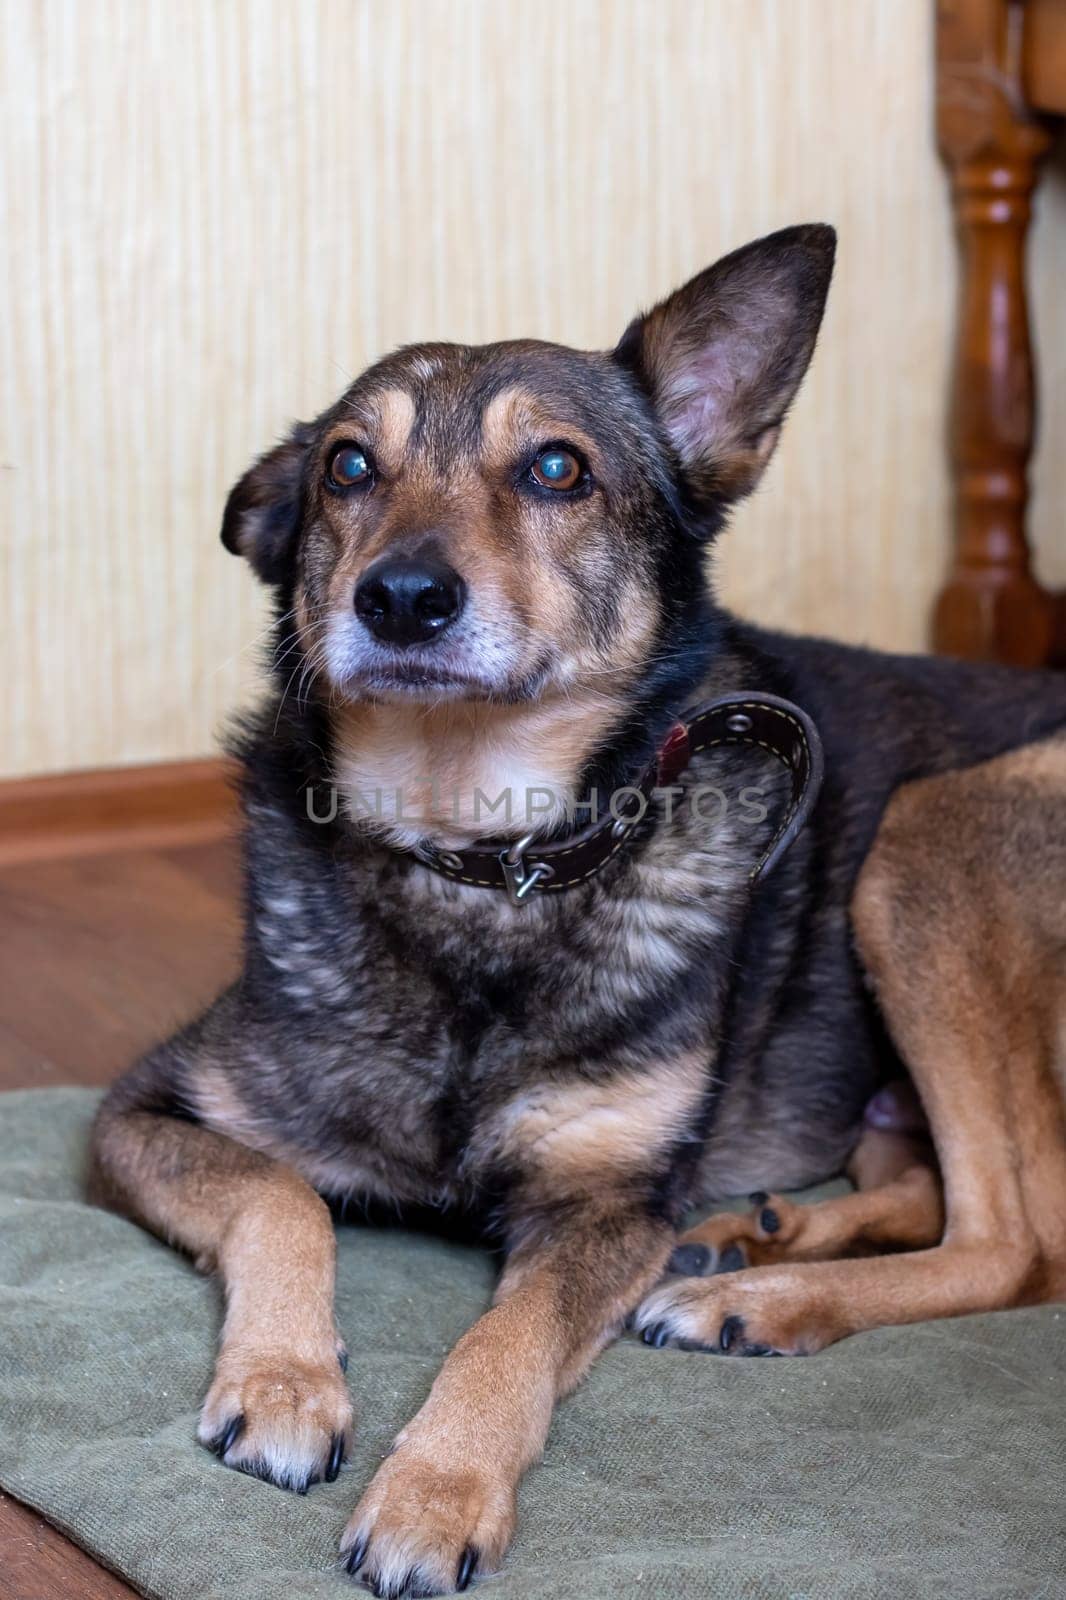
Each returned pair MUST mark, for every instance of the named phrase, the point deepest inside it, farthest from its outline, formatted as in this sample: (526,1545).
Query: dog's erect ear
(722,357)
(262,514)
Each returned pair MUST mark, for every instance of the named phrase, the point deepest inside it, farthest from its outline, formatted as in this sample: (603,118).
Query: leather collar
(526,869)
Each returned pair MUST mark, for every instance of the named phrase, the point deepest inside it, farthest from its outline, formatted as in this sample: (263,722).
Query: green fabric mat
(920,1462)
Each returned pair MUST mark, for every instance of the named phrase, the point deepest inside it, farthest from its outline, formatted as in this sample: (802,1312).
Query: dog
(571,1024)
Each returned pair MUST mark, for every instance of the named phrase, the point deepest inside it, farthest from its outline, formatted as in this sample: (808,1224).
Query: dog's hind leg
(278,1406)
(961,921)
(898,1204)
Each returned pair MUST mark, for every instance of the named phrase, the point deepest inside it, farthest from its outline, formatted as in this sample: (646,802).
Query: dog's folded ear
(262,515)
(722,357)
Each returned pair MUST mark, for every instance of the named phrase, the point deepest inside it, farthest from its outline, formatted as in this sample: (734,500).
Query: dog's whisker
(268,631)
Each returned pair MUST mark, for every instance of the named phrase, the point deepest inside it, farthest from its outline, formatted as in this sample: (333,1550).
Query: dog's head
(507,522)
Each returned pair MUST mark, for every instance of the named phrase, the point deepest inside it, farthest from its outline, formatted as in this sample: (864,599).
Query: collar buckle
(520,879)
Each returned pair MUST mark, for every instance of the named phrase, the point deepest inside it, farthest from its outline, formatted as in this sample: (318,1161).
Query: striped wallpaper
(214,211)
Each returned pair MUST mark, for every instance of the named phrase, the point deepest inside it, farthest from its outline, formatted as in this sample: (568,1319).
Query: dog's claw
(656,1335)
(342,1359)
(336,1457)
(357,1555)
(230,1434)
(467,1567)
(396,1591)
(731,1330)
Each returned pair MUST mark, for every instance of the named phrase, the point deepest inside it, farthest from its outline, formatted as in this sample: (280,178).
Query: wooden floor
(99,956)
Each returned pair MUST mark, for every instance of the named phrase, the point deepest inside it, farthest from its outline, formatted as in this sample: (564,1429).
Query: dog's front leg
(278,1406)
(442,1506)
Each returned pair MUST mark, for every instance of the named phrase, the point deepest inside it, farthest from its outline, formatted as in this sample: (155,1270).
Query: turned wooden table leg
(992,608)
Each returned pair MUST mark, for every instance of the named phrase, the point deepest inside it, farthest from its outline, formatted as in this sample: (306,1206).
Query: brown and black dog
(490,571)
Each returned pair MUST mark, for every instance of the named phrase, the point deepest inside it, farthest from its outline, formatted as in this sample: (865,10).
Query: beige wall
(213,212)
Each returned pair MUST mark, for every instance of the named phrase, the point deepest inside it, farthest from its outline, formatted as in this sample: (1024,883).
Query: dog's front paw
(421,1529)
(283,1418)
(763,1312)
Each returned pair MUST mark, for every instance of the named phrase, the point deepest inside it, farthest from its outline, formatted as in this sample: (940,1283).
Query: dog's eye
(349,467)
(557,469)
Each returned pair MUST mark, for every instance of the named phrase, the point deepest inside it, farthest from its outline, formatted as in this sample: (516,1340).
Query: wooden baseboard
(83,813)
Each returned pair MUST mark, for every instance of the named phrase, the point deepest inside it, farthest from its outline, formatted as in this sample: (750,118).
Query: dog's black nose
(409,599)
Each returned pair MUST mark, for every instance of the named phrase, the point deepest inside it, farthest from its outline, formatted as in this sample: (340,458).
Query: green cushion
(923,1461)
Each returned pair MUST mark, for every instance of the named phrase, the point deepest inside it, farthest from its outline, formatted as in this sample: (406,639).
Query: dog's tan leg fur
(278,1405)
(447,1492)
(960,916)
(899,1205)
